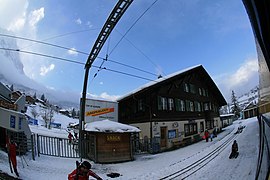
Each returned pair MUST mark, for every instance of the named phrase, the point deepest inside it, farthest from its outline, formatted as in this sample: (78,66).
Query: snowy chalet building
(176,109)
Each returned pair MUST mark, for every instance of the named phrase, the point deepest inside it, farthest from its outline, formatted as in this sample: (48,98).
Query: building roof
(109,126)
(198,68)
(227,115)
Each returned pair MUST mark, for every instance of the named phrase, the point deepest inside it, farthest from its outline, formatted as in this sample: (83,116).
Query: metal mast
(117,12)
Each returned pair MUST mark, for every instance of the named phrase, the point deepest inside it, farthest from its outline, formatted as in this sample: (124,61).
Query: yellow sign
(113,138)
(99,111)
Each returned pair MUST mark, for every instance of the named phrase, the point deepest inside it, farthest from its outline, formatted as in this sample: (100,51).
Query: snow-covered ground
(159,165)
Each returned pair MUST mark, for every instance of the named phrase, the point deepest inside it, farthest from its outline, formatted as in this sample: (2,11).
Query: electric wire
(41,42)
(73,61)
(132,26)
(147,57)
(61,35)
(81,52)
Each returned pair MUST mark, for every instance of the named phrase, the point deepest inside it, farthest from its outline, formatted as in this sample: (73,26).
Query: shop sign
(113,138)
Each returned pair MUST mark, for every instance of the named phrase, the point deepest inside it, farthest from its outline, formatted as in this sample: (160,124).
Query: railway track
(200,163)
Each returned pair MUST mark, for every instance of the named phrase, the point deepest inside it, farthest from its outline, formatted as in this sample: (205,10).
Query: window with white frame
(191,106)
(177,104)
(190,129)
(200,91)
(183,106)
(162,103)
(141,105)
(186,87)
(171,104)
(197,106)
(192,88)
(206,106)
(188,105)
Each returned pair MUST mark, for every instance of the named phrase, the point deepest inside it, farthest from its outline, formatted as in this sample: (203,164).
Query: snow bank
(109,126)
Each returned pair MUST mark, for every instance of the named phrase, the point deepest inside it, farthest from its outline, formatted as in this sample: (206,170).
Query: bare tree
(34,113)
(48,117)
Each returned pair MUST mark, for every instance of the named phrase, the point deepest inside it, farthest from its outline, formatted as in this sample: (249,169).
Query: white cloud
(101,83)
(240,81)
(73,51)
(105,96)
(244,73)
(78,21)
(17,25)
(35,16)
(12,14)
(44,70)
(89,24)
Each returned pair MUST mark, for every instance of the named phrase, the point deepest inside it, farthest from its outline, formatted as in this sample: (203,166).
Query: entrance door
(163,137)
(3,137)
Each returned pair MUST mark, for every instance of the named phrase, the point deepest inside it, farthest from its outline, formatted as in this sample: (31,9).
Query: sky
(156,36)
(158,165)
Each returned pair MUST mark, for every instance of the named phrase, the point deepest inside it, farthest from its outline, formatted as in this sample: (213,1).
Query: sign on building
(96,110)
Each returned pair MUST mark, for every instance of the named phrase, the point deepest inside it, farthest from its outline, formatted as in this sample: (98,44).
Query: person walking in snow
(215,132)
(211,136)
(83,172)
(11,149)
(206,135)
(234,152)
(70,136)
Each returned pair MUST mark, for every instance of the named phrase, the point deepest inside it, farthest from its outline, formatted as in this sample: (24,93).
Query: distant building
(65,112)
(13,121)
(175,109)
(250,110)
(30,100)
(227,119)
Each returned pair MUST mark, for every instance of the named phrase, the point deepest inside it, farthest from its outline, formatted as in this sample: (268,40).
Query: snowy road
(160,165)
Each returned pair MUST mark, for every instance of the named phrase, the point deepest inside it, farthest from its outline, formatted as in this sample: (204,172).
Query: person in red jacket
(83,172)
(70,137)
(11,148)
(206,134)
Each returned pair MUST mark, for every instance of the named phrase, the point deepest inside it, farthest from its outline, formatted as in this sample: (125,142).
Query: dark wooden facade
(187,96)
(250,111)
(139,106)
(109,147)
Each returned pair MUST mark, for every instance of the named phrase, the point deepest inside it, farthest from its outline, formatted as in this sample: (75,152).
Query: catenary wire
(147,57)
(132,26)
(62,35)
(72,61)
(81,52)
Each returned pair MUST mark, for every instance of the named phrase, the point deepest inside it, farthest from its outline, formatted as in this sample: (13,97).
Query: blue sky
(171,36)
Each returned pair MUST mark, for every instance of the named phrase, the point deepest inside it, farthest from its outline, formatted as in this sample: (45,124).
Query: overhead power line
(66,48)
(73,61)
(132,26)
(62,35)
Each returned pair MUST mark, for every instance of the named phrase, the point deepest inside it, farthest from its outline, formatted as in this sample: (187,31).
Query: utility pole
(117,12)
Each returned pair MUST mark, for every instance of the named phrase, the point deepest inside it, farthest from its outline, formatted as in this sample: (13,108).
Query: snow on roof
(227,115)
(151,83)
(109,126)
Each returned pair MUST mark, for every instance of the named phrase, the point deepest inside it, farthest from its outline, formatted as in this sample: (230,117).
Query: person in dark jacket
(83,172)
(234,152)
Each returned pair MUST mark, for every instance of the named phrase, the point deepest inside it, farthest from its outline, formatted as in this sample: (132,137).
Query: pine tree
(35,96)
(235,105)
(42,97)
(73,113)
(12,88)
